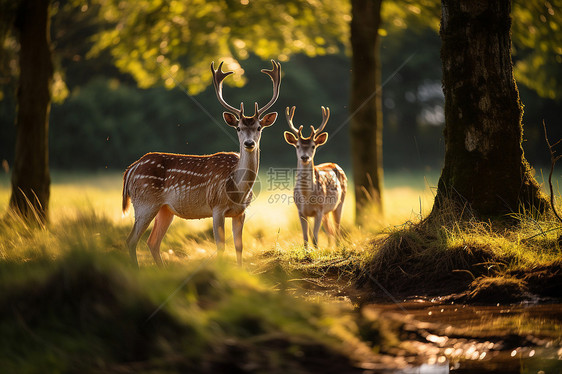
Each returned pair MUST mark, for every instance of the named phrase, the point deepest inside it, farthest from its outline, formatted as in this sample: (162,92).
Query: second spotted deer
(319,190)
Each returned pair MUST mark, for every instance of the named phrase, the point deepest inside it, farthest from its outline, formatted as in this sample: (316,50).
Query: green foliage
(173,42)
(537,45)
(416,15)
(109,124)
(8,13)
(535,35)
(412,101)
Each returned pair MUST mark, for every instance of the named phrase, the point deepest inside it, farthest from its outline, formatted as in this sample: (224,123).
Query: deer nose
(304,158)
(249,144)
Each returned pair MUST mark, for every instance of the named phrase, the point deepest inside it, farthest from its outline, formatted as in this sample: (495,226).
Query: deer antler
(325,116)
(275,75)
(289,113)
(218,77)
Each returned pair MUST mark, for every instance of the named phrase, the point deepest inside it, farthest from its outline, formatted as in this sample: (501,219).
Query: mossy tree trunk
(365,106)
(30,176)
(485,168)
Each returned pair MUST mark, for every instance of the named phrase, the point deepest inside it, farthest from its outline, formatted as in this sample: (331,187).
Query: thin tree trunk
(365,106)
(485,168)
(30,177)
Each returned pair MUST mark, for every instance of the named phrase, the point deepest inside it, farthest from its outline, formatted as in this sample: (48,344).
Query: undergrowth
(446,253)
(73,303)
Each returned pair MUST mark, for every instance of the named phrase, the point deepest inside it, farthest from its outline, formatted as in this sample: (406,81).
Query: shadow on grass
(453,254)
(77,305)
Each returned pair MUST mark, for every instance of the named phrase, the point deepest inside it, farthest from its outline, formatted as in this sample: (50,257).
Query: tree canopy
(537,46)
(174,41)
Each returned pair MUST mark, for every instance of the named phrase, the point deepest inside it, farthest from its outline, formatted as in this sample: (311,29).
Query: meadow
(388,250)
(75,303)
(271,221)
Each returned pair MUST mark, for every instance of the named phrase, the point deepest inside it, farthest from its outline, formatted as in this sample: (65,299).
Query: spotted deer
(319,190)
(163,185)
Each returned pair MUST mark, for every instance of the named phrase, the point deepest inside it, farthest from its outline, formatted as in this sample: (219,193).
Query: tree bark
(30,176)
(485,167)
(365,106)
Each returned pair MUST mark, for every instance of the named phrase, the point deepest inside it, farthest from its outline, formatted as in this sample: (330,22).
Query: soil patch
(494,290)
(542,280)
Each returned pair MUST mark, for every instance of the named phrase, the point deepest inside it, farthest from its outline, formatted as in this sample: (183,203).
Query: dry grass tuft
(447,252)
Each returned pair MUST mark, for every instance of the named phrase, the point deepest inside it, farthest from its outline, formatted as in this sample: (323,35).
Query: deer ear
(268,119)
(321,139)
(230,119)
(290,138)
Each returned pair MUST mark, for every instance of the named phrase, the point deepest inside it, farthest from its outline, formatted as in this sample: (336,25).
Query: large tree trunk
(365,106)
(30,177)
(485,168)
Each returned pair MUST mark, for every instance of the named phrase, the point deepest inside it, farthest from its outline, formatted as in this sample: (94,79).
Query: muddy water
(452,338)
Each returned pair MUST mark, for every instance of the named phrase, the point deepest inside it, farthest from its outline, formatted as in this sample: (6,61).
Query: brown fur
(196,178)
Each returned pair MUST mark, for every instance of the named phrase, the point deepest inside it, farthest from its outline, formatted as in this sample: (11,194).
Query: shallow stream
(453,338)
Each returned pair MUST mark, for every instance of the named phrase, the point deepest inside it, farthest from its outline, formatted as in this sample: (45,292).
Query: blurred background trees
(122,71)
(152,41)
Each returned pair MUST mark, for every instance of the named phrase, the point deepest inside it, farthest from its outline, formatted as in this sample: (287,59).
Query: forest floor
(489,303)
(392,296)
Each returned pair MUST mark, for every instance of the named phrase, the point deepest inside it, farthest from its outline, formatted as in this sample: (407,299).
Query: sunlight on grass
(71,283)
(85,210)
(77,271)
(271,222)
(445,253)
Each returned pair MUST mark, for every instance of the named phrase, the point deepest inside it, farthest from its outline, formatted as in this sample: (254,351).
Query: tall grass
(447,253)
(271,223)
(86,209)
(73,302)
(88,312)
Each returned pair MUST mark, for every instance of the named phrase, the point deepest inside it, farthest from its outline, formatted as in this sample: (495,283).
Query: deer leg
(317,223)
(218,230)
(161,223)
(337,219)
(304,225)
(328,227)
(142,220)
(237,226)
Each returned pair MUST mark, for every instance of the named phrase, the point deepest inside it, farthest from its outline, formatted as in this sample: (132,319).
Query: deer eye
(238,128)
(259,128)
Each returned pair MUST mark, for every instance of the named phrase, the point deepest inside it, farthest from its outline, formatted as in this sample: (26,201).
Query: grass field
(74,302)
(93,203)
(271,221)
